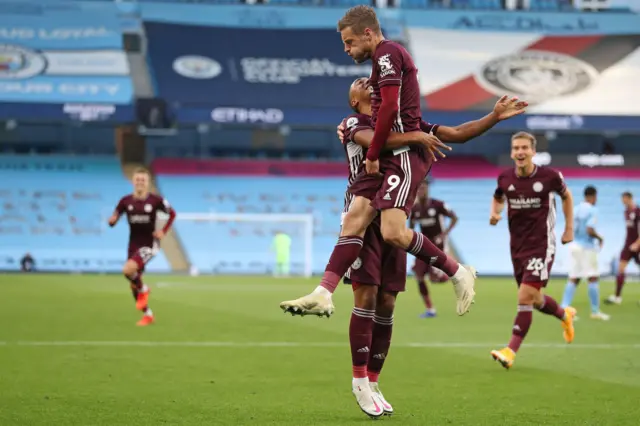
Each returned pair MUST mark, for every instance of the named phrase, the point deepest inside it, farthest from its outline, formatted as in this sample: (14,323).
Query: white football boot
(463,284)
(601,316)
(312,304)
(386,407)
(613,300)
(369,402)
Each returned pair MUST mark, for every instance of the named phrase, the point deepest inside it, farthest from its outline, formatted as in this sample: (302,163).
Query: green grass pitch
(222,353)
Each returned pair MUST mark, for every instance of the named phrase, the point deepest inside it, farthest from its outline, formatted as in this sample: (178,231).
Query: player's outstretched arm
(567,210)
(504,109)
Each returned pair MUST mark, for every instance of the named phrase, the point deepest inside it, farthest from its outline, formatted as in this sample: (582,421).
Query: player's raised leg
(381,342)
(394,231)
(344,254)
(530,297)
(360,340)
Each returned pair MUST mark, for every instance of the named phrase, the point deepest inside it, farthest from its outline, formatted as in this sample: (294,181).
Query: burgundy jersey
(355,153)
(393,66)
(141,215)
(632,219)
(430,215)
(532,209)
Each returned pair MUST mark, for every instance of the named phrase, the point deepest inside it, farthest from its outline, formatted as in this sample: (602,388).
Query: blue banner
(265,16)
(263,68)
(72,111)
(314,116)
(59,55)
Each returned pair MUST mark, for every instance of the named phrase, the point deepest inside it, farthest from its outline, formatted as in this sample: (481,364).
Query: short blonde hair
(525,135)
(359,18)
(142,170)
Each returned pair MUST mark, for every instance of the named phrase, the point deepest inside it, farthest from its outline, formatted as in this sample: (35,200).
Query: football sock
(594,296)
(148,312)
(344,254)
(619,284)
(426,251)
(550,307)
(569,292)
(424,291)
(134,291)
(521,326)
(380,343)
(360,333)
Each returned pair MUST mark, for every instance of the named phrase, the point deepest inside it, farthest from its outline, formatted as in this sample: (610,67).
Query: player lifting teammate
(379,273)
(631,249)
(141,209)
(430,214)
(529,191)
(388,185)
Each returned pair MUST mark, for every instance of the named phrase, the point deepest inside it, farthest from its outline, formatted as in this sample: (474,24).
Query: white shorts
(584,262)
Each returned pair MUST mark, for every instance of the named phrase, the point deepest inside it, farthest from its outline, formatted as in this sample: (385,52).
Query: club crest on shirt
(357,264)
(538,187)
(386,68)
(148,208)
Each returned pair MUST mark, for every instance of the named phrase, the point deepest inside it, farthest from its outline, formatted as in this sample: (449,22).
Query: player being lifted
(529,191)
(389,185)
(379,273)
(141,209)
(430,214)
(584,254)
(631,249)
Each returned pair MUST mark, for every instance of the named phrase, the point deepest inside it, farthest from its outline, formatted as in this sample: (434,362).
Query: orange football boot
(567,324)
(146,320)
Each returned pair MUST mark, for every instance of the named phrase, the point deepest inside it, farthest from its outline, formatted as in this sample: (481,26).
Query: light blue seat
(56,208)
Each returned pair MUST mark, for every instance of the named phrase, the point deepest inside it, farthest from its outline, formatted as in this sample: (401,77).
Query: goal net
(239,243)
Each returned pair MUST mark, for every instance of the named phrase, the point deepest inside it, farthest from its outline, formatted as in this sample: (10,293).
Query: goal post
(248,237)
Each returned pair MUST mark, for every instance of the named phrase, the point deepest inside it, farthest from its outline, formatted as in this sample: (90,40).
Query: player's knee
(393,234)
(528,295)
(365,296)
(358,218)
(386,304)
(130,268)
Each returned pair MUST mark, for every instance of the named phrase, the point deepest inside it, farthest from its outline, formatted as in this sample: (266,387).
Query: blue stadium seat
(237,247)
(58,213)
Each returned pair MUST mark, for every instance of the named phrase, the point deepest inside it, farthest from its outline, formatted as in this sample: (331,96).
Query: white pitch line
(433,345)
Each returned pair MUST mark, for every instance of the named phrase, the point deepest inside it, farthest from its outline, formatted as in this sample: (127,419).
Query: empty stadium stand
(56,208)
(239,247)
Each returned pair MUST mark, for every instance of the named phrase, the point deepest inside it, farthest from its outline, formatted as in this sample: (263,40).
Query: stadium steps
(171,244)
